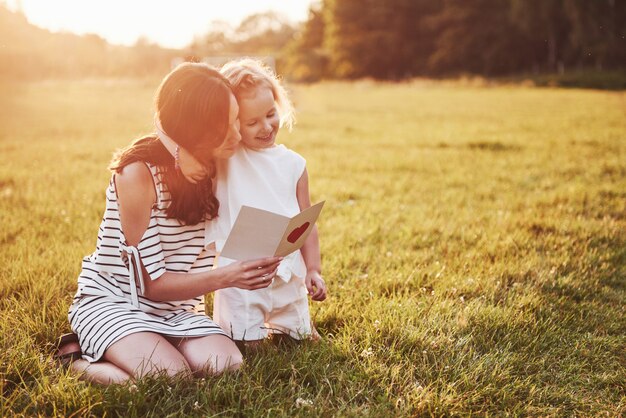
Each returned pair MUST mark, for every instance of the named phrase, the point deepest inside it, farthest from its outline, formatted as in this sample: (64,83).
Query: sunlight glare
(170,24)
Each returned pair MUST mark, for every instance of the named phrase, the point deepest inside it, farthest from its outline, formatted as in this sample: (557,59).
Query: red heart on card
(297,233)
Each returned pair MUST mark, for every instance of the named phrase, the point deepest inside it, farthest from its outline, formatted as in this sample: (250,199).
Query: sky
(170,23)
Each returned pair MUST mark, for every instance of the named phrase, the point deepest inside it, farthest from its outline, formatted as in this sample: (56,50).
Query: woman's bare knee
(218,363)
(146,353)
(229,362)
(211,355)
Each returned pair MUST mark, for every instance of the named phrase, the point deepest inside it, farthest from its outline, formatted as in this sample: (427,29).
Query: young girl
(268,176)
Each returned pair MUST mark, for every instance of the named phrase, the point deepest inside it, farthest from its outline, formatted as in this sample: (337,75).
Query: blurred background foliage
(348,39)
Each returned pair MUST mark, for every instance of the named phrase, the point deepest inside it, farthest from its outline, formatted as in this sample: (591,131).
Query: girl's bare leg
(144,353)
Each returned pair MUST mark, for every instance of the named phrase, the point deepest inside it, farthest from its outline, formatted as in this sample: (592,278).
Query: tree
(387,40)
(218,40)
(546,29)
(597,33)
(263,33)
(305,56)
(478,36)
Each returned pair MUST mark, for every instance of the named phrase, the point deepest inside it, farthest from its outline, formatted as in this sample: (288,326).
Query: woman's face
(233,137)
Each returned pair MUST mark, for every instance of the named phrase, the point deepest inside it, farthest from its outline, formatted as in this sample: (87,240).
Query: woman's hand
(250,275)
(315,285)
(190,167)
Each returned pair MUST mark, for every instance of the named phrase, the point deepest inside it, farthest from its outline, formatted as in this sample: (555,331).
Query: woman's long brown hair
(193,104)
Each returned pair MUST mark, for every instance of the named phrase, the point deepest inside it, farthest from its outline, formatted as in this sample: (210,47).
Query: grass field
(474,242)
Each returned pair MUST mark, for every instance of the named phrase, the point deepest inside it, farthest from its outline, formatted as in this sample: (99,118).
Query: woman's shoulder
(137,172)
(136,181)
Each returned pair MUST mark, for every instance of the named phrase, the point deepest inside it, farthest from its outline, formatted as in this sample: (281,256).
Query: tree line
(391,39)
(394,39)
(28,52)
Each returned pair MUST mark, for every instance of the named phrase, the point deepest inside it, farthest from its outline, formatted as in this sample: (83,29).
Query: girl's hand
(250,275)
(315,285)
(190,167)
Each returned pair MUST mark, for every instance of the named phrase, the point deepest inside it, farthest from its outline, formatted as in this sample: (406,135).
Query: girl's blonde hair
(247,74)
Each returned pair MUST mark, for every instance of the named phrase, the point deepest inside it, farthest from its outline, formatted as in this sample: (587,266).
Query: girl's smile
(267,138)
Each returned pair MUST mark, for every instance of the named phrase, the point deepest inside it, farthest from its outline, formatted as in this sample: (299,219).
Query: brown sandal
(65,358)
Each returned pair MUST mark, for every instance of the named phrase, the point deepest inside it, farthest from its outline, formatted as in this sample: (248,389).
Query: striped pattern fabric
(109,303)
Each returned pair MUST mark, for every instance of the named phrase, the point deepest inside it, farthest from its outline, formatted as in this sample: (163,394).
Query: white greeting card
(259,233)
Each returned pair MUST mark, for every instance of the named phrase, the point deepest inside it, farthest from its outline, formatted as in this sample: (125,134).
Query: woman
(138,306)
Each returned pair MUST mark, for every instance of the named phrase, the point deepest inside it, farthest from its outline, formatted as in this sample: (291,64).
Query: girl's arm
(136,195)
(189,166)
(311,248)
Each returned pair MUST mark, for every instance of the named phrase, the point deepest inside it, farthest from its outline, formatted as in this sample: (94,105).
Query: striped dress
(109,304)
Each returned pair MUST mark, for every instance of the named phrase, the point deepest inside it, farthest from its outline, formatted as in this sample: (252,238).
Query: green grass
(473,241)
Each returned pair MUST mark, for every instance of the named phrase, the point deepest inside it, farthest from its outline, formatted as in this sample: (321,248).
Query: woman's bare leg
(101,372)
(144,353)
(212,354)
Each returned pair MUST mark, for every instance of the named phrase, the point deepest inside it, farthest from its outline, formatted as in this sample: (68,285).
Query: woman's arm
(136,195)
(244,275)
(311,248)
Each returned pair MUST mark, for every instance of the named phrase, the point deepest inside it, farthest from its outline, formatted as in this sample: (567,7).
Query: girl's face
(233,137)
(259,118)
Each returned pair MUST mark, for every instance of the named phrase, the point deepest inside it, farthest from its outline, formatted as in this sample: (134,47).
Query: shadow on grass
(599,279)
(600,80)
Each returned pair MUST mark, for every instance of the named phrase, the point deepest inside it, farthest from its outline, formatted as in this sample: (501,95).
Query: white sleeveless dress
(265,179)
(109,304)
